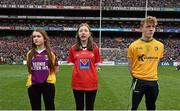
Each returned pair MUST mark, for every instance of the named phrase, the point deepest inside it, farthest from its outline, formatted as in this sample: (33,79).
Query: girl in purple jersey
(42,67)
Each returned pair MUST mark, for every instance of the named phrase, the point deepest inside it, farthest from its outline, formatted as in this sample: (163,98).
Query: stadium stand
(116,3)
(14,50)
(120,26)
(94,24)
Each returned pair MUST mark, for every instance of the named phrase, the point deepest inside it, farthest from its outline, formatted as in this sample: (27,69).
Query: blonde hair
(149,19)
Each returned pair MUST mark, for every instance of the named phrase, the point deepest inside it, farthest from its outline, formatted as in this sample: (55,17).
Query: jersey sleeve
(98,58)
(70,58)
(162,52)
(130,51)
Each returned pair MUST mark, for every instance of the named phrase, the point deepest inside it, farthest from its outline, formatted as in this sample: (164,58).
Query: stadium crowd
(61,24)
(141,3)
(111,3)
(13,49)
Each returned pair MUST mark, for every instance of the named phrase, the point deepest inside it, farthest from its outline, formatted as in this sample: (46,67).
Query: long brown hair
(90,44)
(47,46)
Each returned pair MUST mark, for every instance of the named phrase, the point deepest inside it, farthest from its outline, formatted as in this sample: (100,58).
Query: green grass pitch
(113,92)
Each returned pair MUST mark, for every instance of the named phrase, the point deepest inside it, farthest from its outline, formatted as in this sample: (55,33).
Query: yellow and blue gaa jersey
(145,57)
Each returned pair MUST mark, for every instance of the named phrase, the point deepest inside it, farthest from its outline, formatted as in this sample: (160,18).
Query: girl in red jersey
(42,67)
(85,57)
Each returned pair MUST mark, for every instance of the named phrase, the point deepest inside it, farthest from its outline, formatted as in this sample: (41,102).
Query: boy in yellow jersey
(143,57)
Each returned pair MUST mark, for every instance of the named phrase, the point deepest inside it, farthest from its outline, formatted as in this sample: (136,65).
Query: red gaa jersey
(84,75)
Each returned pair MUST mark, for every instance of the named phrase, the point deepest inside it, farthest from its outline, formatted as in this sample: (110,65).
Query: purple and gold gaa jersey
(40,68)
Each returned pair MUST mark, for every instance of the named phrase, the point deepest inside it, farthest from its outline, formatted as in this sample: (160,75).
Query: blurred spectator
(13,50)
(61,24)
(111,3)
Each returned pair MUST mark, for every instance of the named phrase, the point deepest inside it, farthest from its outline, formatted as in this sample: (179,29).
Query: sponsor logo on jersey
(142,57)
(84,64)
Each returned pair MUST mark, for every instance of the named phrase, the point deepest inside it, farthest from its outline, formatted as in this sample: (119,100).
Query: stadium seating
(13,50)
(112,3)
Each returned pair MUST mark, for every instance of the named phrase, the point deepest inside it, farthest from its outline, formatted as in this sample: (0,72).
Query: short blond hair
(149,19)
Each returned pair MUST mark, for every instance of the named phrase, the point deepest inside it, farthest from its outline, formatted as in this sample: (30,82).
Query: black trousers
(79,99)
(149,89)
(48,92)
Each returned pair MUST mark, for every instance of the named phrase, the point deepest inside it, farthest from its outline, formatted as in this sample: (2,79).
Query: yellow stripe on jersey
(145,57)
